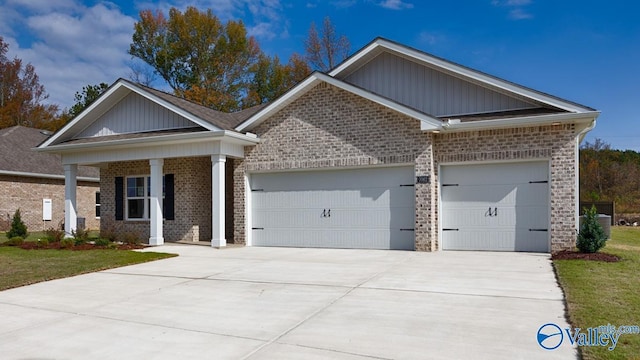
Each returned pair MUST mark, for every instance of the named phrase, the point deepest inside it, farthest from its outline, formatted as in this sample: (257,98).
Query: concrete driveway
(285,303)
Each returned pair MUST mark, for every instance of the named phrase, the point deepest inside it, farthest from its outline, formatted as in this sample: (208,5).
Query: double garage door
(363,208)
(497,207)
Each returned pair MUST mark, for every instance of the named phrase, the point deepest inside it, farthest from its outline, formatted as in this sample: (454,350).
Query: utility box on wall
(47,210)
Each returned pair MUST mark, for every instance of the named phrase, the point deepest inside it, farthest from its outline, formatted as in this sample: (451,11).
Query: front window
(139,197)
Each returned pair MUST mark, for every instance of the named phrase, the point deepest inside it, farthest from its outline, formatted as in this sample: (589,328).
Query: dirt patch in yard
(574,255)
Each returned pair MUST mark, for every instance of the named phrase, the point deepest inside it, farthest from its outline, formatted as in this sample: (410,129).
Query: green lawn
(20,267)
(600,293)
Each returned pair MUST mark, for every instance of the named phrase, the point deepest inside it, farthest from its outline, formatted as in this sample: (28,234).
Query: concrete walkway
(284,303)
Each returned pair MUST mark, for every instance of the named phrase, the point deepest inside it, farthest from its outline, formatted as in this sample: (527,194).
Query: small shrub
(42,242)
(591,237)
(131,238)
(80,236)
(67,243)
(14,241)
(102,242)
(18,228)
(54,235)
(110,232)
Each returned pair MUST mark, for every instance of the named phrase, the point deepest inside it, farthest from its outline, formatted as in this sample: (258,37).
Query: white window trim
(146,197)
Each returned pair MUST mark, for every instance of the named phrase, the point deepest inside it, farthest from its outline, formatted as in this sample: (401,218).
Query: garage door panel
(363,208)
(490,174)
(339,239)
(336,218)
(495,207)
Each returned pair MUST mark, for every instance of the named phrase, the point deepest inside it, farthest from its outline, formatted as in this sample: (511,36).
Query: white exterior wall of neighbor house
(26,193)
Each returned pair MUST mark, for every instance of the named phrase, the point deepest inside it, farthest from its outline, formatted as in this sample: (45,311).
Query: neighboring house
(34,183)
(392,149)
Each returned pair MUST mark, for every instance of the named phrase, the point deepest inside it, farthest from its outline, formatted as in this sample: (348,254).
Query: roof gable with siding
(133,114)
(430,90)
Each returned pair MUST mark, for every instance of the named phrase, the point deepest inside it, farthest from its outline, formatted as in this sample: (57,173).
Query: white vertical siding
(429,90)
(135,114)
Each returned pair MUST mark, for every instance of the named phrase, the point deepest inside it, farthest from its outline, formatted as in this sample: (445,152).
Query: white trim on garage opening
(491,162)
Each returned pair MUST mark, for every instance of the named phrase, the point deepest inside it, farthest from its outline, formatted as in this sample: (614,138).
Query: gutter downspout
(579,139)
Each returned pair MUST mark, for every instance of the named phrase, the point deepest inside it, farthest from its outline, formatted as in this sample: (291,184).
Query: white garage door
(364,208)
(497,207)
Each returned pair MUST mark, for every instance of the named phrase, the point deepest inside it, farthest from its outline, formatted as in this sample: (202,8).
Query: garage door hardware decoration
(490,213)
(326,213)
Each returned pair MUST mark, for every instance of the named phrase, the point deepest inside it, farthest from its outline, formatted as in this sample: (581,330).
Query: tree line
(610,175)
(201,58)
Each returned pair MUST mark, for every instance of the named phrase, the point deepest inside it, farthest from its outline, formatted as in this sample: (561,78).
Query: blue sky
(584,51)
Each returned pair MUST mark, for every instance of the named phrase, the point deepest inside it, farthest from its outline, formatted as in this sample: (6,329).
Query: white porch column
(70,212)
(155,202)
(217,200)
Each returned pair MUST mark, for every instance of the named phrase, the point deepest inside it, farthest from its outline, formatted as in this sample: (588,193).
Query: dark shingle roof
(225,121)
(16,144)
(506,114)
(138,135)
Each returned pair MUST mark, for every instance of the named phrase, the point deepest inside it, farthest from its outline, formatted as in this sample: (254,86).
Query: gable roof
(19,158)
(380,45)
(199,115)
(549,109)
(427,121)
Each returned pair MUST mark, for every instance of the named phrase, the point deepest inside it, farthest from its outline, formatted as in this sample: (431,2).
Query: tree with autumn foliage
(326,49)
(610,175)
(210,62)
(21,94)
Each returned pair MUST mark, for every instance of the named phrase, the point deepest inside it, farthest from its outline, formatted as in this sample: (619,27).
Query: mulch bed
(32,245)
(574,255)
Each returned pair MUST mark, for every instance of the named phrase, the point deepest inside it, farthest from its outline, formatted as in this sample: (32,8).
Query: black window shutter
(169,197)
(119,198)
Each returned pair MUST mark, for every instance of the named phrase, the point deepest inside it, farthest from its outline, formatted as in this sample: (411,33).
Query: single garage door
(496,207)
(363,208)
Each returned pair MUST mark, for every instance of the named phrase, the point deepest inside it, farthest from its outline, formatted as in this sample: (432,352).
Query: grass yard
(20,267)
(601,293)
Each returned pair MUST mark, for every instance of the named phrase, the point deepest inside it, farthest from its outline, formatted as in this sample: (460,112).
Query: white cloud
(519,14)
(395,4)
(430,38)
(517,8)
(73,45)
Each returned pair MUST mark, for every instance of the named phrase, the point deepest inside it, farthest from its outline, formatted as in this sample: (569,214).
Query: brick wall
(192,178)
(329,127)
(27,193)
(555,143)
(332,128)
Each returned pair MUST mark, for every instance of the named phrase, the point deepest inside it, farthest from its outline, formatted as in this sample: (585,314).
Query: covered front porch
(169,187)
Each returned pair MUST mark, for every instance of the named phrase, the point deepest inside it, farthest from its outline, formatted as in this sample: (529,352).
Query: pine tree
(591,237)
(18,228)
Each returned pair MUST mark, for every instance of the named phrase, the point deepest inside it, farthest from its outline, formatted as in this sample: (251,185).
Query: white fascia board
(106,97)
(175,109)
(78,119)
(549,119)
(230,136)
(355,58)
(483,78)
(290,96)
(45,176)
(427,122)
(461,71)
